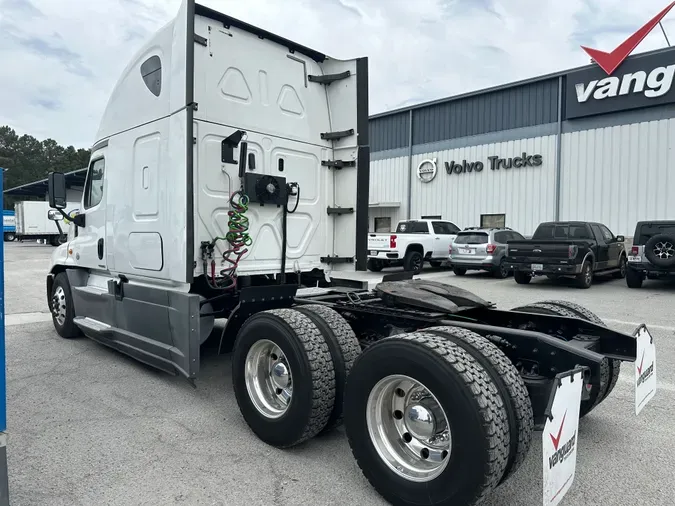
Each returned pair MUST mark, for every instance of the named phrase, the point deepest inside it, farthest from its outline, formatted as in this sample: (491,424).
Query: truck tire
(374,265)
(585,278)
(660,250)
(344,348)
(10,237)
(634,278)
(401,390)
(274,350)
(598,392)
(459,271)
(413,261)
(522,278)
(587,314)
(62,309)
(623,261)
(510,385)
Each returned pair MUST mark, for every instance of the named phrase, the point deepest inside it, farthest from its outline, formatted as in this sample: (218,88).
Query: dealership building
(576,145)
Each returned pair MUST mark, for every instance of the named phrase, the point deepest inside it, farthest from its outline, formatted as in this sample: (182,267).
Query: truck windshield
(561,231)
(472,238)
(412,227)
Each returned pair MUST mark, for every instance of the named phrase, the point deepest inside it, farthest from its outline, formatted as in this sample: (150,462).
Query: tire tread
(347,341)
(517,391)
(481,387)
(321,367)
(605,368)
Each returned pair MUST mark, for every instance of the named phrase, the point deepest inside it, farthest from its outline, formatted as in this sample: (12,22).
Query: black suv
(653,253)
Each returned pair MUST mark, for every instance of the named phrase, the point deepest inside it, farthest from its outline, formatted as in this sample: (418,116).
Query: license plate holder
(537,267)
(636,258)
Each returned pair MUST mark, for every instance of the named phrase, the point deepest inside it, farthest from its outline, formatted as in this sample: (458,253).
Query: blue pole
(4,481)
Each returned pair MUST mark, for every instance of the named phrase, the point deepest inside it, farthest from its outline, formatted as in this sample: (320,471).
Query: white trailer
(229,179)
(33,222)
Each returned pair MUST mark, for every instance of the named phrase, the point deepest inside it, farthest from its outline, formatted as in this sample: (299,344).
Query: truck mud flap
(158,327)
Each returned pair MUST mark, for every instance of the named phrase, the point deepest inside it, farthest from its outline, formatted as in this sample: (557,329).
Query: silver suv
(482,249)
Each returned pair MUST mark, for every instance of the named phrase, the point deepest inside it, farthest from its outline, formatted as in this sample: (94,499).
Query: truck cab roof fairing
(201,10)
(134,101)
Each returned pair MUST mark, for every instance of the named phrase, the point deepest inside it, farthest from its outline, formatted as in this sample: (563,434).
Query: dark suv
(653,253)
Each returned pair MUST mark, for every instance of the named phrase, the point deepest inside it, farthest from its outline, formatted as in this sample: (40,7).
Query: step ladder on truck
(238,190)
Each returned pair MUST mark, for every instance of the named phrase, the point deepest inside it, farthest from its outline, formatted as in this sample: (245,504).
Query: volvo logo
(426,170)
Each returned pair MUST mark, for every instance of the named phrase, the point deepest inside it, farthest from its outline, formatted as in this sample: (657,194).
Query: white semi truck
(230,180)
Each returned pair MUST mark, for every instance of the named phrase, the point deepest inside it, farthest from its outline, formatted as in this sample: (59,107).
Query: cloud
(47,103)
(65,56)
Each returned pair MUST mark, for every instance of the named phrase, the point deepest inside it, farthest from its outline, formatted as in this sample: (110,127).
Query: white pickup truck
(413,243)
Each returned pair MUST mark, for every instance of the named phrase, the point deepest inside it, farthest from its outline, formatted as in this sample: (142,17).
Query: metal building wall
(496,122)
(388,190)
(523,106)
(619,174)
(389,132)
(525,195)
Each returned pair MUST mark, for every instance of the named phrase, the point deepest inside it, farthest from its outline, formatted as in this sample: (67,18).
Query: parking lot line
(24,318)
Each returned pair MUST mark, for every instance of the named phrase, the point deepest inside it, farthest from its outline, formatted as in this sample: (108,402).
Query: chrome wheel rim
(589,274)
(408,428)
(59,305)
(664,250)
(268,379)
(503,268)
(417,264)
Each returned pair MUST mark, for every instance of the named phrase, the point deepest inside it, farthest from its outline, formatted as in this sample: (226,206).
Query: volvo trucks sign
(428,168)
(615,83)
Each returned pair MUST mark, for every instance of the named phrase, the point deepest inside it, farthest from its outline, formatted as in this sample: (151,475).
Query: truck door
(89,245)
(614,247)
(444,233)
(602,253)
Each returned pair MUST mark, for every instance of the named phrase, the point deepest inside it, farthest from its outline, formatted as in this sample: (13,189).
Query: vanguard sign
(427,169)
(644,81)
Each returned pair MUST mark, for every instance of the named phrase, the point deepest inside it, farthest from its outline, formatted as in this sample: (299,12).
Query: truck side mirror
(620,238)
(54,215)
(57,190)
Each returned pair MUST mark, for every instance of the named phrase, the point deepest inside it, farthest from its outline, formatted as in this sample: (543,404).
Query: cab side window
(608,235)
(94,186)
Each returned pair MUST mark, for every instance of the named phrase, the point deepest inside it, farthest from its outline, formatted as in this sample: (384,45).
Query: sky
(62,58)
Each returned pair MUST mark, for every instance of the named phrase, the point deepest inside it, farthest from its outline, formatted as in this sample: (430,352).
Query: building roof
(514,84)
(39,188)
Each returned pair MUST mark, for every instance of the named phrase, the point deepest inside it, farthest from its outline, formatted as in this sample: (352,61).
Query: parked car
(653,252)
(482,249)
(413,243)
(576,249)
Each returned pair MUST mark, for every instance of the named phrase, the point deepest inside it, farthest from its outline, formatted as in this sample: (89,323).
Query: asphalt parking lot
(88,426)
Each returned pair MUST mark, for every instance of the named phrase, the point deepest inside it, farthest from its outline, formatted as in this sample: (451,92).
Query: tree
(29,160)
